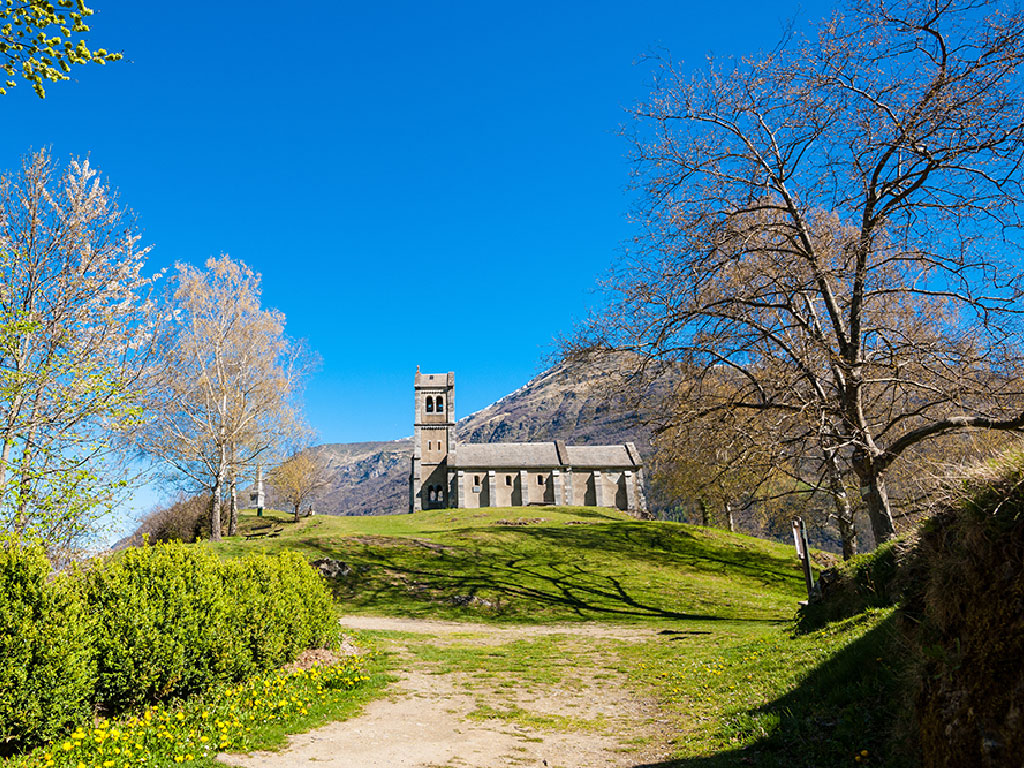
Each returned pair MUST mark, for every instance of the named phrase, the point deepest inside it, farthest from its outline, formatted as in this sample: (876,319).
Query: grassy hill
(550,564)
(734,681)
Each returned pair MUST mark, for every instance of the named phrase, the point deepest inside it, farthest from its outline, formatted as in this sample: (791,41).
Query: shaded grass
(579,564)
(761,696)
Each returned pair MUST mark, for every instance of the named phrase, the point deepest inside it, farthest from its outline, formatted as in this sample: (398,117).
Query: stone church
(447,474)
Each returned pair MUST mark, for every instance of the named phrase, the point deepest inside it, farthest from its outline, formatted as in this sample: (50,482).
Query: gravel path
(587,719)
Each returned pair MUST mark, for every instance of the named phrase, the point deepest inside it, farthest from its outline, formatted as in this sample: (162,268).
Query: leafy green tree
(40,41)
(76,335)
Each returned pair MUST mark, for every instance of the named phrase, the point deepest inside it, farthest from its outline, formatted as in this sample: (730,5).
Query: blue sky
(419,183)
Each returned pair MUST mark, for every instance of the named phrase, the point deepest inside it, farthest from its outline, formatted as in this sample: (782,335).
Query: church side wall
(506,486)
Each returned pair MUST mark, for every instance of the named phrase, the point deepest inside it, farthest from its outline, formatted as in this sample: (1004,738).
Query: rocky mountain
(576,405)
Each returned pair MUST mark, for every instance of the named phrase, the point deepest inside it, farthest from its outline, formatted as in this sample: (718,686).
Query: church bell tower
(433,440)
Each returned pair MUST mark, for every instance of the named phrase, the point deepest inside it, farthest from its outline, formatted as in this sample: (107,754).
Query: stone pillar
(641,497)
(492,488)
(460,490)
(630,490)
(415,487)
(598,488)
(557,489)
(453,491)
(524,487)
(570,492)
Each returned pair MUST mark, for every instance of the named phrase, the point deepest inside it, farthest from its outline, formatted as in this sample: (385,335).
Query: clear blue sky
(419,183)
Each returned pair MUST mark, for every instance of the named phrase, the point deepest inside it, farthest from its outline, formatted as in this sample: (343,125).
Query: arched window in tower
(430,404)
(440,403)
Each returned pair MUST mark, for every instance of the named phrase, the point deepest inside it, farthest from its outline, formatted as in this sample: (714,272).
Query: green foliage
(46,662)
(40,41)
(162,614)
(279,607)
(872,580)
(173,620)
(147,625)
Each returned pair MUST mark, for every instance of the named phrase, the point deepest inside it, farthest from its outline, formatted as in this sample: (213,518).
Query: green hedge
(47,668)
(145,625)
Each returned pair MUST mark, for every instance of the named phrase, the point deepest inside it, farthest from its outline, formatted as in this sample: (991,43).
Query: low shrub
(47,672)
(280,607)
(163,627)
(173,620)
(149,624)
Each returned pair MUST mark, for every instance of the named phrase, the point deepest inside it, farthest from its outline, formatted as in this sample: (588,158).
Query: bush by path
(148,625)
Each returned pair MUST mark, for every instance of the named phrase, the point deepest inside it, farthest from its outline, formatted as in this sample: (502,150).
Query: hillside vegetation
(539,565)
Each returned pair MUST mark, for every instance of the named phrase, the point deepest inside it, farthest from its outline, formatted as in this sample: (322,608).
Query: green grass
(579,564)
(744,695)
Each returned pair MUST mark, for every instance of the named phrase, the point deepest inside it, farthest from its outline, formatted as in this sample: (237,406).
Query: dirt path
(478,696)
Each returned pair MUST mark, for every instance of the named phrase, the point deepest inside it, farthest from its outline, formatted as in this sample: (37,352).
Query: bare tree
(300,478)
(833,222)
(76,335)
(229,382)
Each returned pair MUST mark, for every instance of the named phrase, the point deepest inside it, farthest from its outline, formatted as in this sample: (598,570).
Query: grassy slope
(577,564)
(736,686)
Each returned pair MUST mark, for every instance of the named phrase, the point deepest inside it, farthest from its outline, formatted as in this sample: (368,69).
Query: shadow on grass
(849,703)
(548,572)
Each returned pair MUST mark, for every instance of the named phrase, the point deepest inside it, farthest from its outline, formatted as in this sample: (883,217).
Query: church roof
(541,455)
(514,455)
(600,456)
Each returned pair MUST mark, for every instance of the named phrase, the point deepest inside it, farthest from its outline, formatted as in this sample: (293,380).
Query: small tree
(229,381)
(301,478)
(77,330)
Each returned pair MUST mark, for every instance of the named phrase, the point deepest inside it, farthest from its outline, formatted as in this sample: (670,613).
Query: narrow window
(433,496)
(430,404)
(540,480)
(508,479)
(440,404)
(476,479)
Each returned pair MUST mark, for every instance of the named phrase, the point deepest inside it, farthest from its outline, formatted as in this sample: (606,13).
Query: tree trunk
(705,512)
(872,490)
(729,519)
(844,513)
(295,506)
(233,519)
(218,490)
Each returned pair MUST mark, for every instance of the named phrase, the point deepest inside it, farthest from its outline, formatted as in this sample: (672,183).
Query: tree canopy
(837,223)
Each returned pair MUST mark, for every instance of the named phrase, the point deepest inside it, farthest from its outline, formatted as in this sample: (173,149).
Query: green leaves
(45,41)
(149,624)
